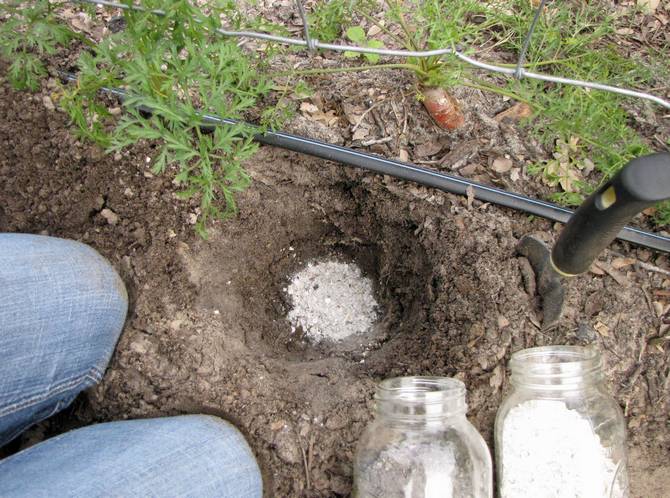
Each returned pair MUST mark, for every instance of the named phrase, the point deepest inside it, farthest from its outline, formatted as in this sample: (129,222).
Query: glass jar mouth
(420,396)
(556,366)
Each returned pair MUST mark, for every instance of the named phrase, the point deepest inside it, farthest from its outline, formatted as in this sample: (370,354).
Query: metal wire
(518,73)
(315,44)
(305,26)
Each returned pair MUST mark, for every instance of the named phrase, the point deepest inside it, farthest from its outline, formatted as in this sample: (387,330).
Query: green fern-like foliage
(30,32)
(179,68)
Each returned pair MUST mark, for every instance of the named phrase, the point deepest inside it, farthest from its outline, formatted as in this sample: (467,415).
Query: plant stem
(409,42)
(305,72)
(500,91)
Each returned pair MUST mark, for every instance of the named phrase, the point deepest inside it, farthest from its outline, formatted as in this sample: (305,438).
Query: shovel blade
(549,282)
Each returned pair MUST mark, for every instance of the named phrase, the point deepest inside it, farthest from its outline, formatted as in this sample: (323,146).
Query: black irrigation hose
(430,178)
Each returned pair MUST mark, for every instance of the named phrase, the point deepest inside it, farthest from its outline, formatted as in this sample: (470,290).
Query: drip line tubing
(453,184)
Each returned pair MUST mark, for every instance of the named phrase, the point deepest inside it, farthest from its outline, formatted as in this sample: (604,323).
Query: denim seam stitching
(9,437)
(93,374)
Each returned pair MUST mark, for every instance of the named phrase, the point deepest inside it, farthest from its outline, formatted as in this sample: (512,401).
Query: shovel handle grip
(643,182)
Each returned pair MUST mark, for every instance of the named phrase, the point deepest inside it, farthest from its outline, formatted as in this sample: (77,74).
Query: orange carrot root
(443,108)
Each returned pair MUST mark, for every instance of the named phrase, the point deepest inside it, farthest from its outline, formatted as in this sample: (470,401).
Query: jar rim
(420,389)
(556,365)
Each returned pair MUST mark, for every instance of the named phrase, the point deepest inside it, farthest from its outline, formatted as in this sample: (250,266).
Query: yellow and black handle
(640,184)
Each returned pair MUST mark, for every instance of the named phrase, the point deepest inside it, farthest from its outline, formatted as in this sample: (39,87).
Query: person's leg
(62,309)
(191,455)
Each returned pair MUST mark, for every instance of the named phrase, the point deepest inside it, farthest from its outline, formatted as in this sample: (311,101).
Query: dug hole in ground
(209,327)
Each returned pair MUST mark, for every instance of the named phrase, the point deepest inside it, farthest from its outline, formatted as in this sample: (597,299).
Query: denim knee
(62,309)
(64,289)
(190,455)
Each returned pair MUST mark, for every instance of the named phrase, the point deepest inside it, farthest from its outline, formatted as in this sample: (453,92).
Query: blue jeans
(62,309)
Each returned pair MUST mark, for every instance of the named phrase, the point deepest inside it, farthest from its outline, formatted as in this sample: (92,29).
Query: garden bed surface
(206,330)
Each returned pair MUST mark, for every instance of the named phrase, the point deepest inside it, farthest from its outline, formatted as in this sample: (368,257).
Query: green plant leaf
(356,34)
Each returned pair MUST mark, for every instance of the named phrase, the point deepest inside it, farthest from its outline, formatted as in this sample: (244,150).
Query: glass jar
(420,444)
(559,433)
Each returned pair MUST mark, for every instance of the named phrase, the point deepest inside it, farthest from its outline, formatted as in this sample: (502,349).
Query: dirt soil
(206,331)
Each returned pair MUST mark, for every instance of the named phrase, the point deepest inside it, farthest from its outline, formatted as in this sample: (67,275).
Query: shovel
(640,184)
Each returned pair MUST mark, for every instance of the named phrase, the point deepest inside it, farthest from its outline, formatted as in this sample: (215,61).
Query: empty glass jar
(559,433)
(421,445)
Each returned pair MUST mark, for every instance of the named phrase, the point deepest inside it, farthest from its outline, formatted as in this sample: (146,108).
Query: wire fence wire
(312,45)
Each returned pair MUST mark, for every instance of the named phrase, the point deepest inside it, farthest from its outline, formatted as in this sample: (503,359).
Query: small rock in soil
(48,103)
(287,446)
(111,217)
(336,421)
(586,333)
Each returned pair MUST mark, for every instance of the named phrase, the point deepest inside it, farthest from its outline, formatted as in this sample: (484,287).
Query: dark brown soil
(206,328)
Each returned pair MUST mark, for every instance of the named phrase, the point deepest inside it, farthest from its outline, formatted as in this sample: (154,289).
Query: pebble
(286,446)
(111,217)
(336,422)
(140,235)
(48,103)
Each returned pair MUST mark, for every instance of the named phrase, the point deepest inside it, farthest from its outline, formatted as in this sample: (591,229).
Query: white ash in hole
(331,301)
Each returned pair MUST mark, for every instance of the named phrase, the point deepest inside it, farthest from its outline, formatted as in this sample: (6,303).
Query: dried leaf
(308,107)
(429,148)
(496,379)
(658,308)
(586,166)
(619,263)
(501,165)
(82,22)
(562,173)
(517,112)
(278,424)
(602,329)
(515,174)
(329,118)
(649,6)
(573,142)
(374,30)
(353,113)
(361,133)
(616,275)
(595,269)
(403,155)
(658,343)
(315,114)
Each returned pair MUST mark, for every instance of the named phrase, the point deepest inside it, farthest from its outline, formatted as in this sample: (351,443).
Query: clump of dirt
(207,328)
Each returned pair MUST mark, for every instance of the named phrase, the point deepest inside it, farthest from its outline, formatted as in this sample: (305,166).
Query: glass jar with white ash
(421,445)
(559,434)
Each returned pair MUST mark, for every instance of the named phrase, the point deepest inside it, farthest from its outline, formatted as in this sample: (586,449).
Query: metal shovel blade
(549,282)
